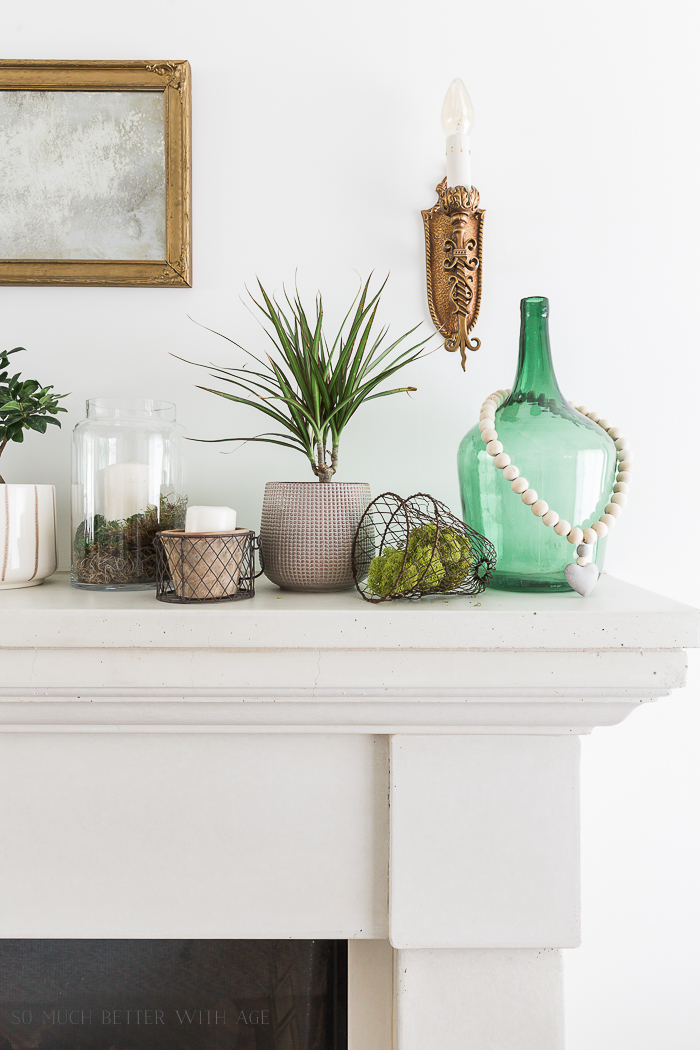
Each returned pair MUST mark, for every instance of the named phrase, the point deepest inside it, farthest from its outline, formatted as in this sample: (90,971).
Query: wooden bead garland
(582,574)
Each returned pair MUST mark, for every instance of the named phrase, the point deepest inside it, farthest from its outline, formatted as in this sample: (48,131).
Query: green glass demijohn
(569,461)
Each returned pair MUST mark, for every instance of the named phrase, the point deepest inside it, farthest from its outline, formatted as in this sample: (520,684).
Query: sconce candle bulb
(457,123)
(453,233)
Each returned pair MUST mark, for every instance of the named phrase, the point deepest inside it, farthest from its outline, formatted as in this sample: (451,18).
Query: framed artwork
(95,173)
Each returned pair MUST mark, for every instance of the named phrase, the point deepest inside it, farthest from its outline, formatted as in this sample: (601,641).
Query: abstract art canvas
(94,173)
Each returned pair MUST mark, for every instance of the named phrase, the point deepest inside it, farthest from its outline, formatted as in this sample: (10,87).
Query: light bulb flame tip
(457,110)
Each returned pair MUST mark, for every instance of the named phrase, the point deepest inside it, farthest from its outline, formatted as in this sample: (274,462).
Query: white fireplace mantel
(404,776)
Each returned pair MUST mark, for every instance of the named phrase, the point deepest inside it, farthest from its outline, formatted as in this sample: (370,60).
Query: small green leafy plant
(429,565)
(24,404)
(310,387)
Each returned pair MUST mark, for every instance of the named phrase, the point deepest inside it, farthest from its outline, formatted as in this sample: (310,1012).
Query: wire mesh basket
(408,548)
(206,566)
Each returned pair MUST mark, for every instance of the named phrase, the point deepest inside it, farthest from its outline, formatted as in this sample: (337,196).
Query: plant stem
(2,449)
(323,472)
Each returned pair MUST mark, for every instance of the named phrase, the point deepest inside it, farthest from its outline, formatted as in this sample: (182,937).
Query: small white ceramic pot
(28,553)
(306,533)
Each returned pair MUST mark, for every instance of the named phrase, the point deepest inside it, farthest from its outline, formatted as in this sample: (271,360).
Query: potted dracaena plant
(311,388)
(27,512)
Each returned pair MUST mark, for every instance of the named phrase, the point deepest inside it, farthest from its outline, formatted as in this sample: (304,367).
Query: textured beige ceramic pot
(306,533)
(27,535)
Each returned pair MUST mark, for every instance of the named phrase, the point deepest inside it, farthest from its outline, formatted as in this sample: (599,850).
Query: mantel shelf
(617,615)
(310,663)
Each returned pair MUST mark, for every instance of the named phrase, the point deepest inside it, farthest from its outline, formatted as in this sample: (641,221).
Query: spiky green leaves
(309,387)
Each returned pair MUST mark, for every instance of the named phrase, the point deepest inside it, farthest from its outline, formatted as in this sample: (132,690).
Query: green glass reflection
(567,459)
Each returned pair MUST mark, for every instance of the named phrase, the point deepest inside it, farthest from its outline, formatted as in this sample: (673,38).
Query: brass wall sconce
(453,233)
(453,239)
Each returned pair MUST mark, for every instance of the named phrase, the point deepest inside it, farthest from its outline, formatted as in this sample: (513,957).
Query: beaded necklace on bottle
(581,575)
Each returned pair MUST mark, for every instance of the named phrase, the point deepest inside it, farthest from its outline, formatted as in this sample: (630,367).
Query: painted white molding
(203,836)
(77,661)
(484,842)
(479,999)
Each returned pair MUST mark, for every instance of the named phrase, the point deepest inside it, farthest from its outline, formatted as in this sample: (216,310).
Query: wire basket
(206,566)
(407,548)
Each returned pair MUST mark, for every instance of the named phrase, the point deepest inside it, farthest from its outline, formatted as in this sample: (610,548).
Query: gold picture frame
(173,80)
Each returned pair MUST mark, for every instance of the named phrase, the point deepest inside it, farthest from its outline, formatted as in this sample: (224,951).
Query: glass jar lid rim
(130,407)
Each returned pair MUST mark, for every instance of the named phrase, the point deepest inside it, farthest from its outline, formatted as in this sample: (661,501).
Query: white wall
(316,142)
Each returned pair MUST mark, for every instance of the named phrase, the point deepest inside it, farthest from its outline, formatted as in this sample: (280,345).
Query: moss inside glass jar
(121,553)
(128,486)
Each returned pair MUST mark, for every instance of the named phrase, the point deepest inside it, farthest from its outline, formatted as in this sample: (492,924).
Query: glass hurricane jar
(127,486)
(567,458)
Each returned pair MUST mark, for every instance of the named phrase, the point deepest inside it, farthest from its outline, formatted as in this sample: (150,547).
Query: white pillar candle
(124,490)
(457,123)
(210,519)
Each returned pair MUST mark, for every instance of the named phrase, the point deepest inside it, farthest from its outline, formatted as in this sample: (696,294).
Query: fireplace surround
(311,767)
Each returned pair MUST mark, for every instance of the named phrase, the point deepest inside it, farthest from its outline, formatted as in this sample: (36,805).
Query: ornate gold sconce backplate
(453,236)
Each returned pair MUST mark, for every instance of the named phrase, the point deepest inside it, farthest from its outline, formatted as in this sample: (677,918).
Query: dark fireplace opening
(173,995)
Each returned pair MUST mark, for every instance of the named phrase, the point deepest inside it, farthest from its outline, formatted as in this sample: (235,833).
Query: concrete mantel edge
(75,661)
